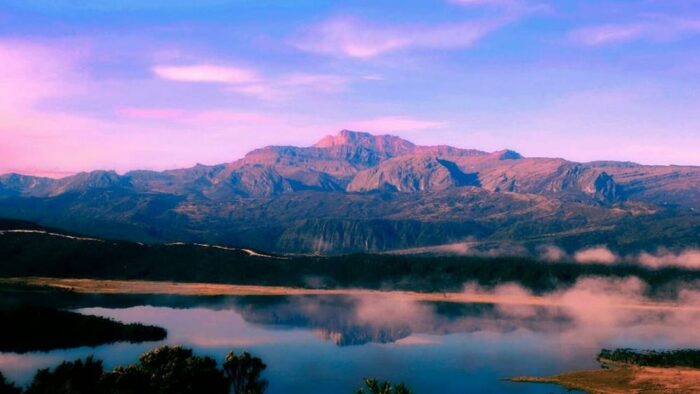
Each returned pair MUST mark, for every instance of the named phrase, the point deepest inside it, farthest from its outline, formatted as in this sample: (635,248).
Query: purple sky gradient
(167,84)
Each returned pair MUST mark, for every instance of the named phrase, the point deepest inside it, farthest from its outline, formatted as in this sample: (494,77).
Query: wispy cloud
(206,73)
(349,37)
(606,34)
(36,133)
(252,82)
(288,86)
(657,29)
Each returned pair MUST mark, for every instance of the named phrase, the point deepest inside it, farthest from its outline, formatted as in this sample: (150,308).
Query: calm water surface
(327,344)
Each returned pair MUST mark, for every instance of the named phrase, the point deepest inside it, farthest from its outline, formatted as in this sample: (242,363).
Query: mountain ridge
(356,191)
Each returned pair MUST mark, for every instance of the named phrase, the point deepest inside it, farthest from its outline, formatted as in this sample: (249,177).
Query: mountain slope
(360,192)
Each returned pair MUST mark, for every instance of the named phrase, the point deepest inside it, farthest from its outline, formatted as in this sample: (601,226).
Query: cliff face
(360,192)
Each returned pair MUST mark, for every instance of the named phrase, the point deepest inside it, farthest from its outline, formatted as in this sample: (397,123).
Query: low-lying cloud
(689,259)
(592,313)
(599,254)
(661,258)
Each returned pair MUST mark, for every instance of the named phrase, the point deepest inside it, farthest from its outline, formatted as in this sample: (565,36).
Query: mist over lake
(335,341)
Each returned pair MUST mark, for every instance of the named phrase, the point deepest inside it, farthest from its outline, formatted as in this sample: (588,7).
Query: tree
(243,373)
(7,387)
(77,377)
(376,387)
(169,370)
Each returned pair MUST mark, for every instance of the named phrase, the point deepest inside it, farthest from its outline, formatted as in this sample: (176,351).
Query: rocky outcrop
(412,174)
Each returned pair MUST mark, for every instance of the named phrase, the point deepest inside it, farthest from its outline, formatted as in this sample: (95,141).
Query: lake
(327,344)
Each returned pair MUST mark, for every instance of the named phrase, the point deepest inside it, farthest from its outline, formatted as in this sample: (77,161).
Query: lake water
(327,344)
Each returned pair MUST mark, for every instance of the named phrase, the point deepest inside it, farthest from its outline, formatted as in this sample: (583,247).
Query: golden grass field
(626,379)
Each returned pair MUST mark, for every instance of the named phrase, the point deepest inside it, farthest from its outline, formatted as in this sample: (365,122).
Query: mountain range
(358,192)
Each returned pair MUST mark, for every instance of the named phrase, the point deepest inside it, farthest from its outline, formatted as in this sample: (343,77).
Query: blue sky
(162,84)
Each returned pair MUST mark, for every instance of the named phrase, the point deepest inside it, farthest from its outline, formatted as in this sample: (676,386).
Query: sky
(159,84)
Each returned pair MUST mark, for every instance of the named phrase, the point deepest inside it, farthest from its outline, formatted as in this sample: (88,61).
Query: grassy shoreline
(621,377)
(625,379)
(101,286)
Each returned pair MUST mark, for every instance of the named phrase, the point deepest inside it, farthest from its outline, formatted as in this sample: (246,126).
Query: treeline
(165,370)
(34,328)
(651,358)
(44,255)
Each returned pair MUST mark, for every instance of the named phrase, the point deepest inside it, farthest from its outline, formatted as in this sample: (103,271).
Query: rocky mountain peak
(386,144)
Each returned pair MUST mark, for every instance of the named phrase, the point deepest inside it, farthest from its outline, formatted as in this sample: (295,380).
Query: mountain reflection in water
(348,321)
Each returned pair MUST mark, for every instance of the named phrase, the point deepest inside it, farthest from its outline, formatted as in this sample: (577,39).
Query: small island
(629,370)
(29,328)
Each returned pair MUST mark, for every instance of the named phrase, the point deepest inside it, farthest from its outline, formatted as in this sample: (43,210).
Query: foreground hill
(359,192)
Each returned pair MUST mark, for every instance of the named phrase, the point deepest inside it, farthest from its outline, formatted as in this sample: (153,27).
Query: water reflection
(348,321)
(334,341)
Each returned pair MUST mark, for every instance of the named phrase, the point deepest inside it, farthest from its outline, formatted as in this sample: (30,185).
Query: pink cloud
(347,37)
(598,254)
(44,140)
(689,259)
(206,73)
(251,82)
(394,123)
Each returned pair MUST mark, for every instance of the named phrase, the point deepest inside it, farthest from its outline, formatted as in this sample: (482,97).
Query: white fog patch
(552,253)
(598,254)
(689,259)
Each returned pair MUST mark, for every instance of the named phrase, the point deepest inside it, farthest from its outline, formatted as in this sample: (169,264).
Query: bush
(376,387)
(168,370)
(77,377)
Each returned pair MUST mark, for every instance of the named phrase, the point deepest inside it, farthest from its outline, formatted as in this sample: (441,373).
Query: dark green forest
(35,254)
